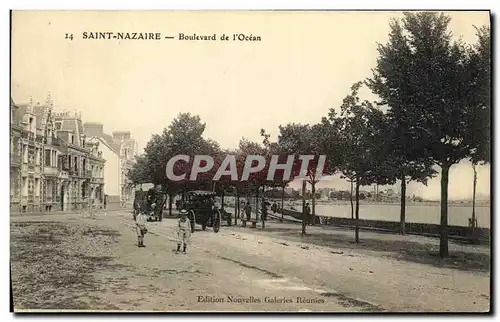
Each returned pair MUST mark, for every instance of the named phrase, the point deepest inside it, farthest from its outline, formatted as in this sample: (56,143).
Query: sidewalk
(411,248)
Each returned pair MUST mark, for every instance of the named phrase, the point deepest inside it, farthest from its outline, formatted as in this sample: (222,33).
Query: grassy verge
(52,264)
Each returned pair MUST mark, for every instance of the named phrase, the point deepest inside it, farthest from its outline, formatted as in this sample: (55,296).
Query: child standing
(183,231)
(140,228)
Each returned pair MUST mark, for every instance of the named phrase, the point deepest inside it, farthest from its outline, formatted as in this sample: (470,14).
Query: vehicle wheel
(203,227)
(229,221)
(161,216)
(192,220)
(216,222)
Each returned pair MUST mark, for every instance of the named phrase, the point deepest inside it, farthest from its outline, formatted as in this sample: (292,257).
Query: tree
(183,136)
(411,164)
(140,172)
(431,82)
(303,139)
(481,125)
(364,157)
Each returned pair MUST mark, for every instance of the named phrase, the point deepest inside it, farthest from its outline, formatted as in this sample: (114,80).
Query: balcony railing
(31,199)
(50,171)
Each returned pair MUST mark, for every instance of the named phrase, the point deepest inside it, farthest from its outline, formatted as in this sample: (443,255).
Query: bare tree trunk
(304,219)
(222,199)
(237,208)
(352,205)
(170,197)
(403,203)
(257,205)
(474,185)
(282,202)
(263,200)
(313,201)
(443,241)
(357,213)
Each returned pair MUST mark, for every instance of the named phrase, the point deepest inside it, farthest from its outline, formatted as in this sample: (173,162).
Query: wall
(112,173)
(458,232)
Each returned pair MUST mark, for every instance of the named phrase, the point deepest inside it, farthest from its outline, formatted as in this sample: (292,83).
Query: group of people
(183,225)
(182,230)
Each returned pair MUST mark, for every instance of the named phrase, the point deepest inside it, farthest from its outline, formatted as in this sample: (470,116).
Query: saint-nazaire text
(122,35)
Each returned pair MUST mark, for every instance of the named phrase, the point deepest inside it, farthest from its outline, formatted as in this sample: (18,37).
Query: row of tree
(433,111)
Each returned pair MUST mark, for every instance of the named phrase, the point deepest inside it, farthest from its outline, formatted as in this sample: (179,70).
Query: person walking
(307,211)
(248,210)
(263,216)
(183,231)
(274,207)
(140,227)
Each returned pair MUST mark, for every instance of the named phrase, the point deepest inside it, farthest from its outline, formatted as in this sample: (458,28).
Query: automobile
(203,211)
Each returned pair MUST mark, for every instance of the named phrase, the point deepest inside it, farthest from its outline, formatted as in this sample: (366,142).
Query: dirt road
(71,262)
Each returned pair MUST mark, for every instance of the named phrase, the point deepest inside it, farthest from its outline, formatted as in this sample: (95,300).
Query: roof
(109,145)
(39,111)
(202,193)
(108,139)
(19,113)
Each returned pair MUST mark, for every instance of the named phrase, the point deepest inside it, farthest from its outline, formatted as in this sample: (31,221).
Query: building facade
(83,163)
(51,165)
(119,150)
(26,155)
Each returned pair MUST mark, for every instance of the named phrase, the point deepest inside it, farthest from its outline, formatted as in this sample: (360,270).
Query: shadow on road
(411,251)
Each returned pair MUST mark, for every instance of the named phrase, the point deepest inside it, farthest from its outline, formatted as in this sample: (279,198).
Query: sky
(304,65)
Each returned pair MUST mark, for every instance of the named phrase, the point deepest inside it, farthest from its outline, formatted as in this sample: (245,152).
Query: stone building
(52,167)
(26,159)
(119,150)
(15,157)
(82,161)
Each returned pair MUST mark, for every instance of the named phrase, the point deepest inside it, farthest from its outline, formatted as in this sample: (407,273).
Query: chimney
(121,135)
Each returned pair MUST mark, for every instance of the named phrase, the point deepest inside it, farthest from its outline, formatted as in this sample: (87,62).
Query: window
(37,187)
(37,156)
(25,153)
(47,158)
(72,138)
(25,186)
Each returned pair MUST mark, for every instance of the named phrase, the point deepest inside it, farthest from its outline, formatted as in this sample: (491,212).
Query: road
(243,269)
